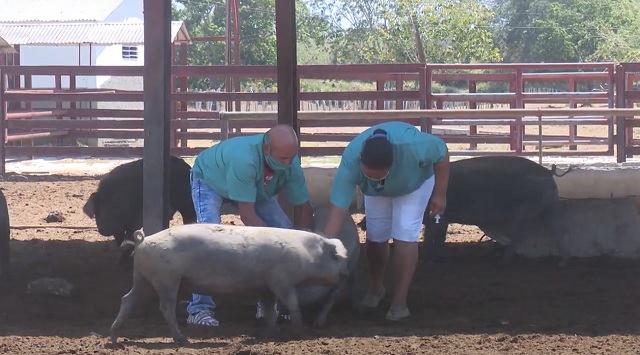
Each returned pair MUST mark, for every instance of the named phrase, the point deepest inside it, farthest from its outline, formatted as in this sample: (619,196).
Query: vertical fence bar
(573,128)
(3,122)
(473,129)
(540,139)
(224,126)
(620,121)
(517,130)
(611,94)
(424,96)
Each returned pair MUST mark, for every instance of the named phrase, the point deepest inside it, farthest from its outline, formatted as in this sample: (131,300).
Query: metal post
(287,73)
(287,63)
(157,114)
(3,122)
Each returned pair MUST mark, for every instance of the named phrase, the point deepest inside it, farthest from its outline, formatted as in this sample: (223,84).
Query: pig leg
(330,300)
(511,249)
(140,289)
(126,248)
(497,235)
(356,300)
(514,243)
(516,239)
(168,292)
(435,235)
(5,239)
(270,314)
(287,294)
(556,219)
(119,238)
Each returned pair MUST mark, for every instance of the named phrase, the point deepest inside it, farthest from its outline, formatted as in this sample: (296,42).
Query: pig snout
(341,257)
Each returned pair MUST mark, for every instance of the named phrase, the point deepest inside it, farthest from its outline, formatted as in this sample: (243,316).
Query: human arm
(298,195)
(334,220)
(241,184)
(303,216)
(248,215)
(342,191)
(438,202)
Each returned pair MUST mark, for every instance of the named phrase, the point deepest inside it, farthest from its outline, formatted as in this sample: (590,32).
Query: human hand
(438,204)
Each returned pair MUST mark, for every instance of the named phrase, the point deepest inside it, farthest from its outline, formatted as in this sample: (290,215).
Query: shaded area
(466,302)
(467,294)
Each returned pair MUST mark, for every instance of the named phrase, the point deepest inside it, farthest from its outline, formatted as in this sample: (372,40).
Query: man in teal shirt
(399,170)
(250,170)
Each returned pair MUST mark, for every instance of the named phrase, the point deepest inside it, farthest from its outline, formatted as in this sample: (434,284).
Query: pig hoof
(181,341)
(271,333)
(359,308)
(295,334)
(320,321)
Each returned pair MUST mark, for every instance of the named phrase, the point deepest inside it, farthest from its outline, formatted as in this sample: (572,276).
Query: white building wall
(129,10)
(57,55)
(112,55)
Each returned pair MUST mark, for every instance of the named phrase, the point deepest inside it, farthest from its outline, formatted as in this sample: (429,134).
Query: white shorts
(399,217)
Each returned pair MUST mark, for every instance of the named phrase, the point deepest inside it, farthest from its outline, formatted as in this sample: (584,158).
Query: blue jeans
(207,204)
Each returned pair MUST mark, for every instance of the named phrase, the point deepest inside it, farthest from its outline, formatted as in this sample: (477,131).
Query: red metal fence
(627,75)
(72,114)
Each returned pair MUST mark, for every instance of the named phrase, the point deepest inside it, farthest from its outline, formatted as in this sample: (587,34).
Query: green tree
(379,31)
(564,31)
(257,33)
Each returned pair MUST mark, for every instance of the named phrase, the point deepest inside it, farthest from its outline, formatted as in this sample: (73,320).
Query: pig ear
(334,248)
(89,207)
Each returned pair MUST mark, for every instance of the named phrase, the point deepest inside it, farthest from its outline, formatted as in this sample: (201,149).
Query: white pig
(214,258)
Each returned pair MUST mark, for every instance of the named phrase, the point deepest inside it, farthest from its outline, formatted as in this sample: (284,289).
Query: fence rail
(473,116)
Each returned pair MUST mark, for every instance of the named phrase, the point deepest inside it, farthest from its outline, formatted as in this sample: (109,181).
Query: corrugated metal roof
(5,47)
(29,11)
(65,34)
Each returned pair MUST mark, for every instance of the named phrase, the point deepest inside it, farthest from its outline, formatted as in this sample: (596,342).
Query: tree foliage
(380,31)
(566,31)
(257,33)
(451,31)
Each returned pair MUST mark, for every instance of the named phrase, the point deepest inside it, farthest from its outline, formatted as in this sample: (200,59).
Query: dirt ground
(465,305)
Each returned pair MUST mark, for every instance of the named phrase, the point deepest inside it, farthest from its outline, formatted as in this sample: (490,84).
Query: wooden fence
(72,114)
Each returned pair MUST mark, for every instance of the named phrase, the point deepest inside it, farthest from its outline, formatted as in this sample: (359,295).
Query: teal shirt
(234,169)
(414,153)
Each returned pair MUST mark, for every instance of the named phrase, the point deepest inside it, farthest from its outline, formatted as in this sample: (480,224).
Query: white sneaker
(204,318)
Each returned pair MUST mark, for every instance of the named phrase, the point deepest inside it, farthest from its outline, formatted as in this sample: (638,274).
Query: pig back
(244,252)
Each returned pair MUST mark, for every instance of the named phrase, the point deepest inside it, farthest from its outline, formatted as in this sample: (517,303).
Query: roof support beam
(286,39)
(157,114)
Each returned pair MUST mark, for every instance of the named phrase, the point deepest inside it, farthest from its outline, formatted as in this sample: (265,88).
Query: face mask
(275,165)
(375,180)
